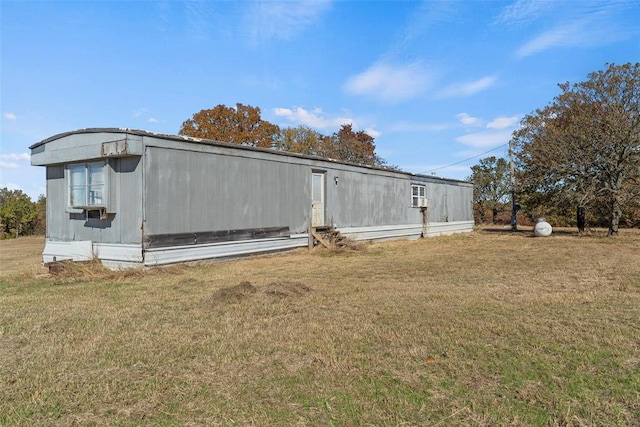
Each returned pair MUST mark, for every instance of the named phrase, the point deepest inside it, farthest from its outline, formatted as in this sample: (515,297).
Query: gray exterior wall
(208,189)
(449,200)
(123,225)
(177,190)
(199,188)
(194,191)
(369,199)
(85,145)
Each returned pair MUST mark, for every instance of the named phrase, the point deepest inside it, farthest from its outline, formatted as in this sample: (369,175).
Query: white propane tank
(542,228)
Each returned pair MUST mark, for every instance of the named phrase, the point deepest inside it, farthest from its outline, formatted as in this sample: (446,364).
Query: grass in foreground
(479,329)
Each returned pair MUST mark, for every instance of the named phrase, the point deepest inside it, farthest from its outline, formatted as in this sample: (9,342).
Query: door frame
(318,207)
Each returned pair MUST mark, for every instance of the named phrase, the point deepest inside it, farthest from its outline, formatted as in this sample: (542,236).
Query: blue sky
(437,83)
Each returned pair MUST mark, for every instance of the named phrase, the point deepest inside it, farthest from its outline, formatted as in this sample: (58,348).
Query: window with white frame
(87,185)
(418,195)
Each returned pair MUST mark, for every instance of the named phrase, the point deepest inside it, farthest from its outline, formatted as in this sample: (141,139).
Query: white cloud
(496,133)
(503,122)
(140,111)
(8,161)
(144,114)
(15,156)
(283,19)
(596,25)
(426,14)
(467,89)
(390,83)
(497,123)
(316,119)
(372,132)
(568,35)
(523,11)
(10,116)
(467,120)
(487,139)
(8,165)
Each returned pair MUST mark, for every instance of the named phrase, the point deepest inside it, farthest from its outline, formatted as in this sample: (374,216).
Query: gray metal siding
(127,196)
(366,199)
(194,189)
(189,191)
(121,227)
(81,147)
(449,202)
(461,202)
(58,226)
(200,191)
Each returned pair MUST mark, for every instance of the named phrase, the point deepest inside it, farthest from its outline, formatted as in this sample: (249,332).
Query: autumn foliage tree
(301,139)
(583,149)
(350,146)
(241,124)
(345,145)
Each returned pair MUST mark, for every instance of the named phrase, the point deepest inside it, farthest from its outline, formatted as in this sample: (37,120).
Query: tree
(243,125)
(17,211)
(301,140)
(491,186)
(583,149)
(39,222)
(350,146)
(240,125)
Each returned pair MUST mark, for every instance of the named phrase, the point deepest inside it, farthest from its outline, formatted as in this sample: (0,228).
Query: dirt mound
(235,293)
(245,290)
(286,289)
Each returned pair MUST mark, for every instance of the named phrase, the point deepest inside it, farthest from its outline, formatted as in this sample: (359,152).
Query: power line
(470,158)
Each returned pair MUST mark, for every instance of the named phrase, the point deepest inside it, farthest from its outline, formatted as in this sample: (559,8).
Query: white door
(317,199)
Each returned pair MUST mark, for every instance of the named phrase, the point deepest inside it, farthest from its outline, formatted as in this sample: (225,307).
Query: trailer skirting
(118,256)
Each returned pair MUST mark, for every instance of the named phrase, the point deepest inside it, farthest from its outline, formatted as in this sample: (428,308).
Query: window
(418,196)
(87,185)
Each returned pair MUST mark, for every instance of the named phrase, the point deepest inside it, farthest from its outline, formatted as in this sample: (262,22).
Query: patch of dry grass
(489,328)
(23,255)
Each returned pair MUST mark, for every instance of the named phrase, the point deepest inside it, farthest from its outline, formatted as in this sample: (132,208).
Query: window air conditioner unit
(96,213)
(423,202)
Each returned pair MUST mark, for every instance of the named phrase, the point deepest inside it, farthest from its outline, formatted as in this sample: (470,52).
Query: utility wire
(470,158)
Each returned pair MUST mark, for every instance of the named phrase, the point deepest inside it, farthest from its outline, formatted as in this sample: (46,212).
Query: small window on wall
(87,185)
(418,196)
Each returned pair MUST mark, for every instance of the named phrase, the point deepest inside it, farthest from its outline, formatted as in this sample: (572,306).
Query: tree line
(19,215)
(577,159)
(244,125)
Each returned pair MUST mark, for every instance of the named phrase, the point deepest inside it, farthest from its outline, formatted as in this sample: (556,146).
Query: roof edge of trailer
(183,138)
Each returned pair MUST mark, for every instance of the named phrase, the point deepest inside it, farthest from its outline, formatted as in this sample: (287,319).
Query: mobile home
(133,198)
